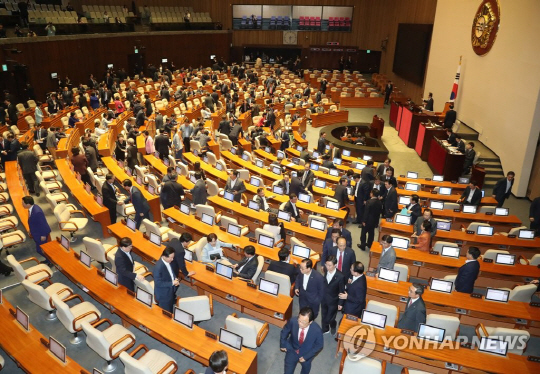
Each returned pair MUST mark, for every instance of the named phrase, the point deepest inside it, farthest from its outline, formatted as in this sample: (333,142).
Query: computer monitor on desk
(501,211)
(346,153)
(438,178)
(230,339)
(431,332)
(505,259)
(389,275)
(434,204)
(285,216)
(234,229)
(57,349)
(526,234)
(268,287)
(449,251)
(144,297)
(494,346)
(255,182)
(266,241)
(224,270)
(412,175)
(441,285)
(495,294)
(485,230)
(301,251)
(471,209)
(445,191)
(401,243)
(184,318)
(374,319)
(403,219)
(404,200)
(319,183)
(111,277)
(412,187)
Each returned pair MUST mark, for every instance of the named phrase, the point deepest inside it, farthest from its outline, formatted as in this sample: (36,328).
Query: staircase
(488,159)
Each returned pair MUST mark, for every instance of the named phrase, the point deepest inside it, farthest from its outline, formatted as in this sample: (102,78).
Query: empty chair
(451,206)
(226,145)
(505,334)
(72,317)
(534,261)
(42,296)
(98,251)
(449,323)
(403,272)
(473,226)
(514,231)
(212,188)
(52,185)
(68,223)
(35,274)
(201,307)
(206,209)
(108,343)
(156,228)
(486,209)
(451,278)
(8,223)
(226,221)
(390,311)
(151,362)
(438,246)
(365,365)
(253,332)
(284,282)
(522,293)
(491,254)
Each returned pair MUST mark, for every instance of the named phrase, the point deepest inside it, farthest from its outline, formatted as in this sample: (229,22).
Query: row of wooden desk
(233,293)
(192,343)
(426,266)
(431,357)
(516,246)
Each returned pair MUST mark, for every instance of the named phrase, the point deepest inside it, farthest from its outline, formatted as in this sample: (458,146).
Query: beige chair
(151,362)
(403,272)
(514,231)
(438,246)
(72,317)
(42,296)
(284,282)
(449,323)
(8,223)
(212,188)
(206,209)
(109,343)
(506,334)
(35,274)
(365,365)
(68,223)
(253,332)
(98,251)
(450,206)
(11,239)
(491,254)
(42,157)
(451,278)
(198,246)
(226,221)
(57,196)
(473,226)
(195,145)
(211,158)
(2,362)
(201,307)
(146,285)
(226,145)
(522,293)
(486,209)
(390,311)
(52,185)
(156,228)
(534,261)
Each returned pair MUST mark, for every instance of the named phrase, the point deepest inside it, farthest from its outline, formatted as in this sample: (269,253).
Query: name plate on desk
(536,305)
(402,176)
(469,232)
(457,210)
(389,350)
(252,285)
(187,353)
(403,299)
(210,268)
(418,263)
(253,240)
(533,358)
(476,295)
(459,242)
(511,236)
(488,260)
(434,253)
(453,182)
(433,192)
(427,179)
(352,318)
(306,225)
(389,220)
(210,335)
(407,332)
(130,293)
(370,274)
(451,366)
(168,314)
(489,213)
(461,311)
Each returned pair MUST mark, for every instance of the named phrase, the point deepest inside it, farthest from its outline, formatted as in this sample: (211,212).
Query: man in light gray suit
(198,192)
(388,255)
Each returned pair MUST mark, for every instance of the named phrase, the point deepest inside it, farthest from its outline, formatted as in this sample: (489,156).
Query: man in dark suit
(166,280)
(451,138)
(324,84)
(340,225)
(108,189)
(450,117)
(355,291)
(345,256)
(290,207)
(415,311)
(321,144)
(301,339)
(391,201)
(307,91)
(247,267)
(472,195)
(534,215)
(335,284)
(28,163)
(283,266)
(414,208)
(295,186)
(198,192)
(162,144)
(124,264)
(142,208)
(428,104)
(460,144)
(40,136)
(180,246)
(285,183)
(171,192)
(387,91)
(381,169)
(378,185)
(470,154)
(308,177)
(503,188)
(368,172)
(40,230)
(361,193)
(341,194)
(468,273)
(309,286)
(131,154)
(209,102)
(235,186)
(372,217)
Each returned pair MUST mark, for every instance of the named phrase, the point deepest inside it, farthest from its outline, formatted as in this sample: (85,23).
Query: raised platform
(374,148)
(361,102)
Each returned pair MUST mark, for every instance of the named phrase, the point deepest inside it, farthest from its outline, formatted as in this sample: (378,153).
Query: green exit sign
(368,51)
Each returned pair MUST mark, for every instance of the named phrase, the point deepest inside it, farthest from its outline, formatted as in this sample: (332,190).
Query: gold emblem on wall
(485,26)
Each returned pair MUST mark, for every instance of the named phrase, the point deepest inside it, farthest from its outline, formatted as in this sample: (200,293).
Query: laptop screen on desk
(501,211)
(231,339)
(278,190)
(57,349)
(444,225)
(505,259)
(234,229)
(448,251)
(208,219)
(268,287)
(463,180)
(313,166)
(334,205)
(412,187)
(286,216)
(304,197)
(276,170)
(266,241)
(228,196)
(346,152)
(445,190)
(224,270)
(412,175)
(495,346)
(485,230)
(301,251)
(403,219)
(218,166)
(320,183)
(184,209)
(441,285)
(495,294)
(401,243)
(144,297)
(405,200)
(85,259)
(526,234)
(334,172)
(316,224)
(22,318)
(299,148)
(436,205)
(431,333)
(438,178)
(280,154)
(389,275)
(155,239)
(469,209)
(374,319)
(111,277)
(337,161)
(183,318)
(253,205)
(259,163)
(131,224)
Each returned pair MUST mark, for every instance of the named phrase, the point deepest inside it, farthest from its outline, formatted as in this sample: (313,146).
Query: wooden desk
(516,246)
(16,186)
(429,185)
(362,102)
(235,294)
(198,230)
(423,141)
(469,310)
(26,349)
(323,119)
(121,175)
(192,343)
(87,201)
(425,266)
(444,163)
(428,358)
(428,196)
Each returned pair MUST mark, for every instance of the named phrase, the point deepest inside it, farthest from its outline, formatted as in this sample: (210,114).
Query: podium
(442,162)
(478,174)
(410,120)
(426,132)
(377,127)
